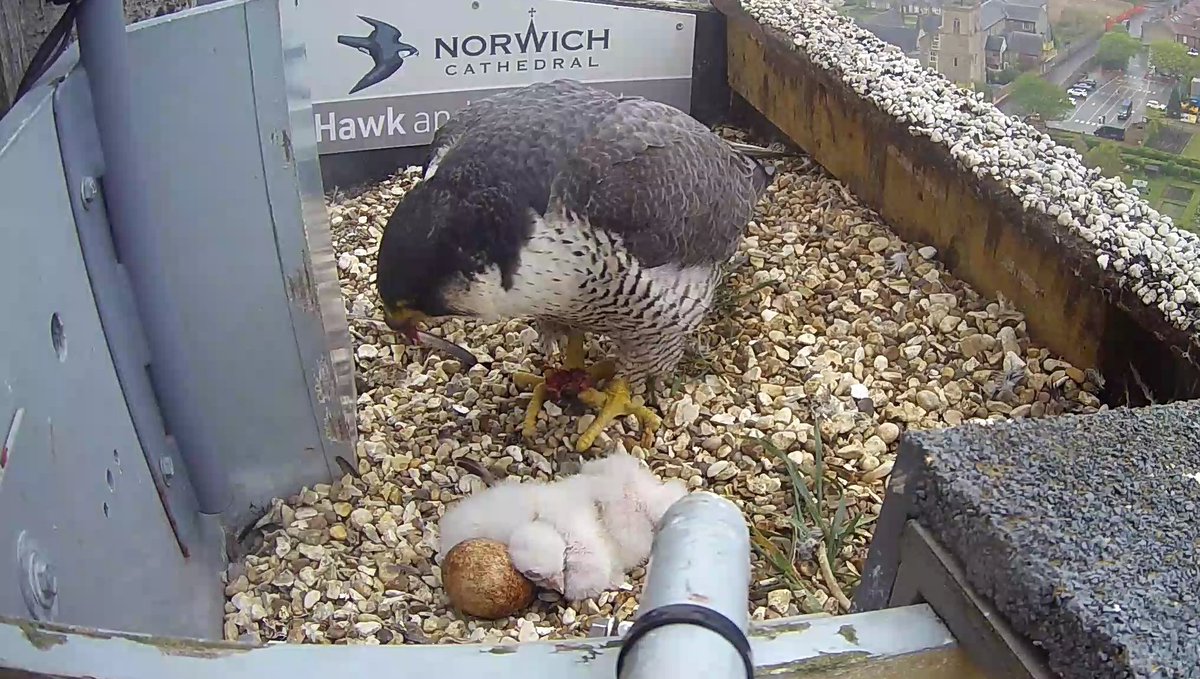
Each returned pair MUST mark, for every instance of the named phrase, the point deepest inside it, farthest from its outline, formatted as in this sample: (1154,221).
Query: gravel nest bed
(828,317)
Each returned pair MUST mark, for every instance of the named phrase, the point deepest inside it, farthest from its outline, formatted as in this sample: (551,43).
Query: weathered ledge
(1080,530)
(1074,298)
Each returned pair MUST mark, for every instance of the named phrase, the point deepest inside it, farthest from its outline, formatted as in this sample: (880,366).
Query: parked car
(1110,132)
(1085,85)
(1154,104)
(1077,92)
(1126,110)
(1193,53)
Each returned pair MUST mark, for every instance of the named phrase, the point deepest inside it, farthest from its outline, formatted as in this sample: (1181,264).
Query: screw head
(46,581)
(166,465)
(39,583)
(88,191)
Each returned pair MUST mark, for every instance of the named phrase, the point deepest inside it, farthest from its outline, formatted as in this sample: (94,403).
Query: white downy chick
(493,513)
(539,552)
(550,529)
(632,502)
(587,562)
(578,535)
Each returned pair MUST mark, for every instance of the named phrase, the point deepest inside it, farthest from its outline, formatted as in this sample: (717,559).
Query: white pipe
(701,559)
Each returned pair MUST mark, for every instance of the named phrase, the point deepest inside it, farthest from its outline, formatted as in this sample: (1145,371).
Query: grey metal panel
(215,290)
(83,162)
(298,197)
(75,487)
(784,648)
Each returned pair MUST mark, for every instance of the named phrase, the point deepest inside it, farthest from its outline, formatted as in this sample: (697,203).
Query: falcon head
(448,249)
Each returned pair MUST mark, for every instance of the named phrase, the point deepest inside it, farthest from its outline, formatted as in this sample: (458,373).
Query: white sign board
(387,73)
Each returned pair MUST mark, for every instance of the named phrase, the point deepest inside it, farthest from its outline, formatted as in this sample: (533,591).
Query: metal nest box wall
(176,349)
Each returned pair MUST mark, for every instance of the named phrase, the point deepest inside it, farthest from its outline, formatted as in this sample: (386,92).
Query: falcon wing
(524,135)
(673,190)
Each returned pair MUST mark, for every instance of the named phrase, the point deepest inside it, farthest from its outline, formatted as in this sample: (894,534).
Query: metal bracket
(930,574)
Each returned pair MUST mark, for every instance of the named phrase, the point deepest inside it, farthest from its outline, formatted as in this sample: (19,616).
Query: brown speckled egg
(481,581)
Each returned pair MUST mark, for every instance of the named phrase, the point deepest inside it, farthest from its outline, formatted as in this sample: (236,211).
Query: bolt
(88,191)
(45,581)
(167,466)
(39,584)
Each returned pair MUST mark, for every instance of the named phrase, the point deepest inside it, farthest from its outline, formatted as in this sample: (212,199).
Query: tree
(1035,95)
(1107,158)
(1175,103)
(1075,23)
(1006,75)
(1171,59)
(1116,48)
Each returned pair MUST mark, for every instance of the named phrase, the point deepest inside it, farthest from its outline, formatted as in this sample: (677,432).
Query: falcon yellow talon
(574,353)
(529,427)
(527,380)
(614,402)
(573,379)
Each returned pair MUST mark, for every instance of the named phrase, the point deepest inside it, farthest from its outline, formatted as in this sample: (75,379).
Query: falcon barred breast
(583,211)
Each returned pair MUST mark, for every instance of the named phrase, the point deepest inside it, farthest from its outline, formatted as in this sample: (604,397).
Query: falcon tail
(764,174)
(759,151)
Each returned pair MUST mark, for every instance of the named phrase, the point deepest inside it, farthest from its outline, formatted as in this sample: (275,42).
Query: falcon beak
(403,320)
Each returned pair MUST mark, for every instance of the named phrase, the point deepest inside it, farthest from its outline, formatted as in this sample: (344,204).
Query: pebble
(779,600)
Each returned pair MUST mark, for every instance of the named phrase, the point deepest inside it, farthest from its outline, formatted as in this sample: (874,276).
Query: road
(1106,100)
(1059,74)
(1064,70)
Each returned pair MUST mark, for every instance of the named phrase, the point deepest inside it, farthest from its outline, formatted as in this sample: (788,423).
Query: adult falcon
(583,211)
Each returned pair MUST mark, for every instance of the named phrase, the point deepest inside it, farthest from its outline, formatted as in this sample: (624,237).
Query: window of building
(956,61)
(957,26)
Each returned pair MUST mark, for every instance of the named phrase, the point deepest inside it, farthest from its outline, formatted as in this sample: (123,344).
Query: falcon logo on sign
(384,47)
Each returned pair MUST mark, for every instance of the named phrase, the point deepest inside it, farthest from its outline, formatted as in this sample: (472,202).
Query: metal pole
(104,53)
(701,557)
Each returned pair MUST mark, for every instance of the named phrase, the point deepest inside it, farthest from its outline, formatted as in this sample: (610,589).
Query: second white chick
(578,535)
(551,529)
(632,502)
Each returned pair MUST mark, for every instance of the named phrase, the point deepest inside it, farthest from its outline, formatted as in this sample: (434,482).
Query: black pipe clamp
(688,614)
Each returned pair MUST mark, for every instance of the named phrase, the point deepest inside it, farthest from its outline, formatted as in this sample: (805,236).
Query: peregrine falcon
(583,211)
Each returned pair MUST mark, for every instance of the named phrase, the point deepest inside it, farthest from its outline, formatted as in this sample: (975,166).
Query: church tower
(960,52)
